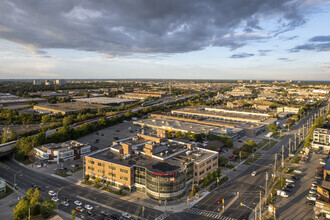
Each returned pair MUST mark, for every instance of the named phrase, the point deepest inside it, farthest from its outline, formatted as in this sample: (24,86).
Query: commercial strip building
(61,152)
(226,114)
(232,128)
(173,125)
(2,187)
(161,168)
(321,139)
(68,107)
(106,101)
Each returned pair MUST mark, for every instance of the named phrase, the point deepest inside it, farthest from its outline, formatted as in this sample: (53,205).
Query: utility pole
(295,142)
(260,207)
(274,174)
(266,189)
(289,146)
(282,156)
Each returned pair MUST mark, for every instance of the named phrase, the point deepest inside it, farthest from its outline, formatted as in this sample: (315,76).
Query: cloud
(241,55)
(264,52)
(317,43)
(120,28)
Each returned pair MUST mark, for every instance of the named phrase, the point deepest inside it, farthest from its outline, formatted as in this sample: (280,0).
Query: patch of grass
(8,192)
(278,185)
(89,183)
(121,193)
(262,143)
(270,145)
(61,173)
(77,169)
(252,159)
(295,160)
(26,162)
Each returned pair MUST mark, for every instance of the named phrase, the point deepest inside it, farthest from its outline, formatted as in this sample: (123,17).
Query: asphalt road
(249,187)
(98,200)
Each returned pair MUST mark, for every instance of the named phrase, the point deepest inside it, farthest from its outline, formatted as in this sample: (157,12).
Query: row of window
(123,170)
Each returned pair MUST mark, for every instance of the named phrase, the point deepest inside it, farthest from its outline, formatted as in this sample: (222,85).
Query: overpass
(7,148)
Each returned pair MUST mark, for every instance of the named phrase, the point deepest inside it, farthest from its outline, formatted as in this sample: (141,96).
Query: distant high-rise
(60,82)
(36,82)
(47,83)
(257,81)
(251,81)
(239,81)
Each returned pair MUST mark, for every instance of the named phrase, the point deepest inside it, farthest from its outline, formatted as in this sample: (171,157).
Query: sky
(172,39)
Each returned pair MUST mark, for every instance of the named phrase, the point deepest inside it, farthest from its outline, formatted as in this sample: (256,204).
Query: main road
(248,186)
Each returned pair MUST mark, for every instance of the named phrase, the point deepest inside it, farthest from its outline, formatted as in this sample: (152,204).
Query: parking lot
(295,204)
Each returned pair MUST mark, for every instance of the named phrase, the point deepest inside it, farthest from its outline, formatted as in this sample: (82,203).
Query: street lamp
(15,178)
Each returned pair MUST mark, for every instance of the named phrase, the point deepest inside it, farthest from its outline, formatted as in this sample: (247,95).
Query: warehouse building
(68,107)
(152,164)
(107,101)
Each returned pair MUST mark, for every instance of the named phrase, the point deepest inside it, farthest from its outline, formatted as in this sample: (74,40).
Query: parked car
(105,213)
(314,187)
(254,173)
(77,203)
(52,193)
(55,199)
(322,162)
(89,207)
(297,171)
(289,185)
(289,180)
(287,189)
(312,191)
(319,169)
(232,157)
(313,198)
(115,216)
(89,212)
(34,185)
(318,182)
(64,203)
(318,177)
(282,193)
(126,215)
(295,177)
(310,202)
(80,209)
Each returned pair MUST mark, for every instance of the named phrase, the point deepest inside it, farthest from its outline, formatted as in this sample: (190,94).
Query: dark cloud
(317,43)
(242,55)
(264,52)
(141,26)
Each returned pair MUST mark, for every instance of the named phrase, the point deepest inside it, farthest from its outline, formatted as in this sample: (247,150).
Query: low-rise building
(321,139)
(153,164)
(2,187)
(66,151)
(293,110)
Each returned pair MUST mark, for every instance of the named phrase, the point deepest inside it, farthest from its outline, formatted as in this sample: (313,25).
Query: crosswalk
(162,216)
(208,214)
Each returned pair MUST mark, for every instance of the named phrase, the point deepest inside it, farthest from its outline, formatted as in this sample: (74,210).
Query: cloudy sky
(175,39)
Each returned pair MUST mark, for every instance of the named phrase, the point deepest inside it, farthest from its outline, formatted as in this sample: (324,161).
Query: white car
(126,215)
(289,180)
(253,173)
(55,199)
(64,203)
(77,203)
(314,188)
(88,207)
(297,171)
(52,193)
(322,162)
(312,191)
(313,198)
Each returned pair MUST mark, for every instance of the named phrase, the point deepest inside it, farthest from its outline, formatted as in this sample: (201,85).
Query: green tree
(73,215)
(229,143)
(87,178)
(219,172)
(249,146)
(45,118)
(47,207)
(178,134)
(29,194)
(205,181)
(273,128)
(102,122)
(21,210)
(68,120)
(97,180)
(209,177)
(36,198)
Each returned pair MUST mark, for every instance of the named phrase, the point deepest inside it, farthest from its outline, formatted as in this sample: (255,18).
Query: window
(123,178)
(112,167)
(207,169)
(209,161)
(200,173)
(215,158)
(215,164)
(123,171)
(90,168)
(112,174)
(100,164)
(91,162)
(100,171)
(202,165)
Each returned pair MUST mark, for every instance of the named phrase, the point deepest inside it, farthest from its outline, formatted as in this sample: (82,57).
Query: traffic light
(223,201)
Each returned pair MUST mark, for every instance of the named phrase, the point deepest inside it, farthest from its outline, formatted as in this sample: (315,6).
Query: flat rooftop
(64,146)
(105,100)
(70,106)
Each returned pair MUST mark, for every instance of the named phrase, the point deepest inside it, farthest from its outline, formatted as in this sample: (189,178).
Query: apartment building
(153,164)
(321,139)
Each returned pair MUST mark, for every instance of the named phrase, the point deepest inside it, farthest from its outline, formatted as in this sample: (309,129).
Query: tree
(45,118)
(273,128)
(229,143)
(219,172)
(249,146)
(97,180)
(205,181)
(21,210)
(289,122)
(178,134)
(209,177)
(73,215)
(36,198)
(47,207)
(68,120)
(87,178)
(29,194)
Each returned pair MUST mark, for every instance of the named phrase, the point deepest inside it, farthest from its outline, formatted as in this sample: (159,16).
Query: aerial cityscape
(164,110)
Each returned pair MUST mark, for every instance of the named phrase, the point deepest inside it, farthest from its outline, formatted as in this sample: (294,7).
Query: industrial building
(173,125)
(292,110)
(68,107)
(259,117)
(66,151)
(142,95)
(161,168)
(20,101)
(321,139)
(106,101)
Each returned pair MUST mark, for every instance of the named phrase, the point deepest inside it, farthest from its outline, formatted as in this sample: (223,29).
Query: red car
(219,201)
(232,157)
(319,169)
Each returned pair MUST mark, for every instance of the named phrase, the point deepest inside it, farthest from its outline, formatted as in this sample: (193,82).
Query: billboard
(323,192)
